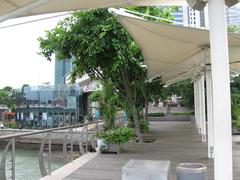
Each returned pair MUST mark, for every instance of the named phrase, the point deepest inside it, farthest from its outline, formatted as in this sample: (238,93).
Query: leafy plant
(108,102)
(144,126)
(117,135)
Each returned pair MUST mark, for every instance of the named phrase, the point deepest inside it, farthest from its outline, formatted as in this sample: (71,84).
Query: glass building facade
(233,15)
(62,70)
(50,106)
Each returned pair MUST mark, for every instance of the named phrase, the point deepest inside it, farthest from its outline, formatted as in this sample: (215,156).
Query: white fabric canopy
(174,52)
(17,8)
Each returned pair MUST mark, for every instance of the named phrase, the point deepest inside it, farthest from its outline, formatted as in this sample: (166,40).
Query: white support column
(223,166)
(203,108)
(195,104)
(209,112)
(199,105)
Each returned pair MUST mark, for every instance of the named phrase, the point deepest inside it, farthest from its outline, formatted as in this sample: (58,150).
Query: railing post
(65,154)
(86,127)
(49,153)
(81,148)
(71,145)
(13,159)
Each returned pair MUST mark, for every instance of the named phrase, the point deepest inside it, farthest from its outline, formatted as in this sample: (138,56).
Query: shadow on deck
(175,141)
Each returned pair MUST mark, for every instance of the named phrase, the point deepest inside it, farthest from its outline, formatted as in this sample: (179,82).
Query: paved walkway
(175,141)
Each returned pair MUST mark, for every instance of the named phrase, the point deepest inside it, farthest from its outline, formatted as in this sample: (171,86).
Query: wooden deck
(175,141)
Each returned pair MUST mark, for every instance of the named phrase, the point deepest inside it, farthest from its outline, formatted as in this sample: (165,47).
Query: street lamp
(200,4)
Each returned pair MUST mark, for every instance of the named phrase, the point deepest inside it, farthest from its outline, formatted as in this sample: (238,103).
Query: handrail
(47,130)
(44,171)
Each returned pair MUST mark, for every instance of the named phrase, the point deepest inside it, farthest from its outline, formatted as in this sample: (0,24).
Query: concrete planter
(109,147)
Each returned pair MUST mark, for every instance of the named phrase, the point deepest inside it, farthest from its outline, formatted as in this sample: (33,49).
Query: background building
(50,106)
(233,15)
(189,17)
(62,70)
(193,18)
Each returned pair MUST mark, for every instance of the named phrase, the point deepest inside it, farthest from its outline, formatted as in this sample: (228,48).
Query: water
(27,166)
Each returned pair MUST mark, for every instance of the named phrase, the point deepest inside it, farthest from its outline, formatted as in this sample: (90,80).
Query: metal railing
(87,128)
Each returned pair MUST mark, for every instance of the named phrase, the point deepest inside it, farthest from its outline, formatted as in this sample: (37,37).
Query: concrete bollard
(191,171)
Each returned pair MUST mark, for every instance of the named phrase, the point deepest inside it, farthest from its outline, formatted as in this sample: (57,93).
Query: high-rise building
(62,70)
(233,15)
(189,17)
(193,18)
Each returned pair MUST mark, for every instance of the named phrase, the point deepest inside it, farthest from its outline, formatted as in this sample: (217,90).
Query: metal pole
(49,153)
(223,165)
(71,145)
(13,159)
(86,138)
(209,112)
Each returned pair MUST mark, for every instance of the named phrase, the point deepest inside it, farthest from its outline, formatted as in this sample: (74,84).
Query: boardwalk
(175,141)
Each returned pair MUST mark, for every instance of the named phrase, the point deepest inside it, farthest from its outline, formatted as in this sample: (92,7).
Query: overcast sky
(19,62)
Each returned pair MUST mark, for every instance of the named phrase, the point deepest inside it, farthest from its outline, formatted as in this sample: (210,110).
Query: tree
(233,28)
(155,90)
(8,97)
(184,89)
(102,49)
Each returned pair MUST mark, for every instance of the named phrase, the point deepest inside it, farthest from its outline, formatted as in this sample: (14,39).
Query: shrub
(117,135)
(238,124)
(236,116)
(144,126)
(158,114)
(183,113)
(11,124)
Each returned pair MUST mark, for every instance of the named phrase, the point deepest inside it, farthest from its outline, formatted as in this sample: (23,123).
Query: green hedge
(183,113)
(158,114)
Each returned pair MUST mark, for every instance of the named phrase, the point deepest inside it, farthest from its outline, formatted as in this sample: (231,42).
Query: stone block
(146,170)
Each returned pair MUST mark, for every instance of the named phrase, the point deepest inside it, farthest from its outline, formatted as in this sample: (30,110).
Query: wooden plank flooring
(175,141)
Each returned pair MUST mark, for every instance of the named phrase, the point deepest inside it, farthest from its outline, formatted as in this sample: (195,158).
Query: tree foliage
(156,90)
(8,97)
(234,28)
(184,89)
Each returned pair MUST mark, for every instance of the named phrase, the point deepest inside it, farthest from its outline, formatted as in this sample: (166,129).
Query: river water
(27,167)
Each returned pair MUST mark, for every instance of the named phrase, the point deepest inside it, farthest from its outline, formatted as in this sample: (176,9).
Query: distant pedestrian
(97,115)
(93,117)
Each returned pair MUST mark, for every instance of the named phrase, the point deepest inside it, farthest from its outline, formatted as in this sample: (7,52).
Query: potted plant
(111,138)
(114,139)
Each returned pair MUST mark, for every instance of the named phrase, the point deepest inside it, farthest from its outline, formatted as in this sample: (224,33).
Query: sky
(20,62)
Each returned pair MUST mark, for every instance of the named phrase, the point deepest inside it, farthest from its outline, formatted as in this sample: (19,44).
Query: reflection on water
(27,167)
